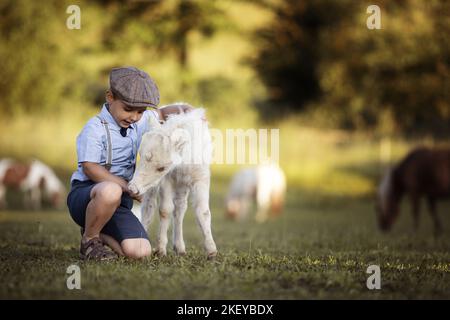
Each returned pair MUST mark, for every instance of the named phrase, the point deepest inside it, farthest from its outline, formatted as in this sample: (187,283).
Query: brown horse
(422,173)
(35,180)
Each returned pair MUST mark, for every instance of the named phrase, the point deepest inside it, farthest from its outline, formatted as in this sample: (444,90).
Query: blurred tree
(189,16)
(320,53)
(402,70)
(38,53)
(165,25)
(29,55)
(290,51)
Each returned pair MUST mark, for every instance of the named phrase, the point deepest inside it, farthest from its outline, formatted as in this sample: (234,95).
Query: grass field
(319,249)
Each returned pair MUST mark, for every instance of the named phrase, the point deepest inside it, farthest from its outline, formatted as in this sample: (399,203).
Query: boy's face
(123,114)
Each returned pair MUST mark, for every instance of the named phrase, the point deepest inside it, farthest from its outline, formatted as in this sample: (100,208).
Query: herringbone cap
(134,87)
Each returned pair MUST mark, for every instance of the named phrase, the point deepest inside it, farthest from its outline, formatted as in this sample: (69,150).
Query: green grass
(320,248)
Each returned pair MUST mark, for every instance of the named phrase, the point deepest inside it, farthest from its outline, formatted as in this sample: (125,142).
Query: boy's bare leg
(112,243)
(105,198)
(132,248)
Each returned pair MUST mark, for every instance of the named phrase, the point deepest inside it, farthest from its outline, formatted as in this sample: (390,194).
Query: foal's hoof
(179,251)
(212,255)
(159,253)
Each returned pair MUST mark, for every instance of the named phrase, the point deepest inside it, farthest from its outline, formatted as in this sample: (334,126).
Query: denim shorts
(122,225)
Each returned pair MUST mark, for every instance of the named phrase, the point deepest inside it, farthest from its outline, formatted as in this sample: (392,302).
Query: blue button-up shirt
(92,144)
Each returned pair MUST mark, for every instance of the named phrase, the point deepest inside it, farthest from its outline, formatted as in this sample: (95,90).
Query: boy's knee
(136,248)
(109,192)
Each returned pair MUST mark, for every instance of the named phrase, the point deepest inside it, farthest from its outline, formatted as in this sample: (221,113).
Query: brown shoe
(95,250)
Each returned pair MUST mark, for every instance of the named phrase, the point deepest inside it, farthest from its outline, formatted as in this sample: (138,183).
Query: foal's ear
(154,124)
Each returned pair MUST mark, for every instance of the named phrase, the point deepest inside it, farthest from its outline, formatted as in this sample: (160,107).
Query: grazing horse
(35,180)
(264,185)
(422,173)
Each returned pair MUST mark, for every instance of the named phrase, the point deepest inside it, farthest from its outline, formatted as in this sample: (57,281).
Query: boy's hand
(173,109)
(135,196)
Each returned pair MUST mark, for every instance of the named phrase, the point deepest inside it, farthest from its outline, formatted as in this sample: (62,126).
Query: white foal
(264,185)
(174,162)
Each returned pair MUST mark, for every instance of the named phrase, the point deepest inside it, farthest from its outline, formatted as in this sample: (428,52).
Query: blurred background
(348,101)
(312,68)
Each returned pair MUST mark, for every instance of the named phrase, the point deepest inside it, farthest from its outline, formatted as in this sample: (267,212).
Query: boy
(99,200)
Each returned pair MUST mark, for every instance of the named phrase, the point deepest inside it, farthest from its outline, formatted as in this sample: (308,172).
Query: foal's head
(387,202)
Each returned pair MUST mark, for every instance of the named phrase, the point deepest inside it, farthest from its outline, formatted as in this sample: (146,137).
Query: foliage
(316,57)
(164,25)
(289,52)
(31,60)
(402,69)
(320,54)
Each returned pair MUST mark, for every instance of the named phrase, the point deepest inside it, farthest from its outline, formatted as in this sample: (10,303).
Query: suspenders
(109,144)
(108,163)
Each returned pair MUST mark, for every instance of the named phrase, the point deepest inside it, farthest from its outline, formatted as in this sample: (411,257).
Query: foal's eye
(160,169)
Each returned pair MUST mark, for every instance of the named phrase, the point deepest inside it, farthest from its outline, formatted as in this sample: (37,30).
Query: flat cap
(134,87)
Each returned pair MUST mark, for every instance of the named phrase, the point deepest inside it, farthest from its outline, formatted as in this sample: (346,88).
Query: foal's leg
(434,215)
(245,202)
(36,198)
(165,210)
(148,207)
(2,197)
(263,193)
(180,202)
(27,200)
(415,207)
(200,198)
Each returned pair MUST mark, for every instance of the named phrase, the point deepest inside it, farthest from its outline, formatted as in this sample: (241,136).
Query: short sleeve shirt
(92,144)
